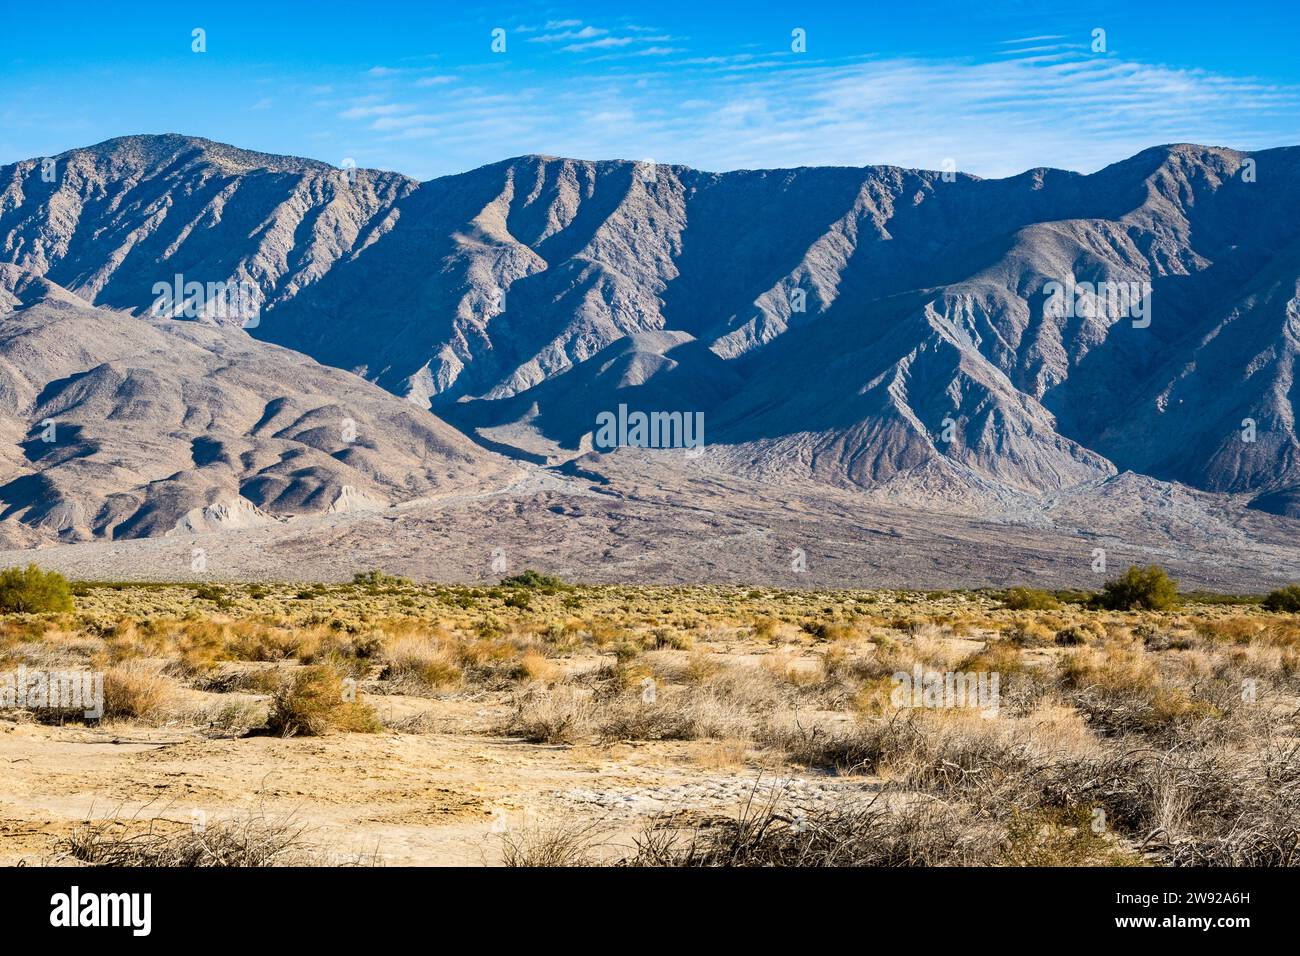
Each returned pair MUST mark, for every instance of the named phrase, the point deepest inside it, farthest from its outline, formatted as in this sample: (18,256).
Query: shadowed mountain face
(119,426)
(855,326)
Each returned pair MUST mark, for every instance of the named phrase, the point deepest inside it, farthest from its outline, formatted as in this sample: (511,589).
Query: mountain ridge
(852,325)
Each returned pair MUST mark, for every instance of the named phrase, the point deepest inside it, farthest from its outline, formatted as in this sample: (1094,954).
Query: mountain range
(879,331)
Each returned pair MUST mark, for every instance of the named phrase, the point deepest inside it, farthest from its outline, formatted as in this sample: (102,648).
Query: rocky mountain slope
(118,426)
(857,327)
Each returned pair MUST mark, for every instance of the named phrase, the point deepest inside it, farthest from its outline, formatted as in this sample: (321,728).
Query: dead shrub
(555,844)
(253,842)
(767,834)
(561,715)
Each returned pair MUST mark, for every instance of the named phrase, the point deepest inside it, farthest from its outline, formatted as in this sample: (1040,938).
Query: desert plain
(536,722)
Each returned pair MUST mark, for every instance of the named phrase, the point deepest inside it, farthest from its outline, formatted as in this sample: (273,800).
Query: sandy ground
(437,798)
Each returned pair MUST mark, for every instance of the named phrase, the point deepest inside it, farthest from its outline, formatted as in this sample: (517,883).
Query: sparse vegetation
(1137,711)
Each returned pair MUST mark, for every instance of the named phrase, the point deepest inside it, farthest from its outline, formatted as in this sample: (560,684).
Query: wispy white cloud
(605,43)
(405,122)
(994,118)
(585,33)
(580,37)
(367,110)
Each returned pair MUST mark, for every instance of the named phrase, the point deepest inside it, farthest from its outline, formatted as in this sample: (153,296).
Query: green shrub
(1146,588)
(1029,599)
(535,581)
(1283,599)
(375,580)
(33,591)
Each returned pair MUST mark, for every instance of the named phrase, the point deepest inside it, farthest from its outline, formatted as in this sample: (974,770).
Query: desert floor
(390,723)
(672,522)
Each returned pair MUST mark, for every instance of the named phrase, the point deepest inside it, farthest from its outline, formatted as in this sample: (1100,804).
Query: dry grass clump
(24,628)
(1062,838)
(675,717)
(668,637)
(1031,634)
(723,754)
(794,670)
(136,690)
(918,833)
(848,748)
(728,702)
(883,658)
(314,701)
(422,661)
(535,666)
(961,755)
(1000,657)
(766,835)
(492,662)
(554,844)
(249,680)
(563,715)
(673,668)
(255,641)
(711,709)
(235,718)
(1073,635)
(353,654)
(833,630)
(1122,690)
(254,842)
(1188,807)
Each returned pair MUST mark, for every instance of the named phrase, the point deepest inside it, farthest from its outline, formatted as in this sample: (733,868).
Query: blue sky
(994,88)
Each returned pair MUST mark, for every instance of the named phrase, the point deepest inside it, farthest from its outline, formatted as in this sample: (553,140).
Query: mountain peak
(160,149)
